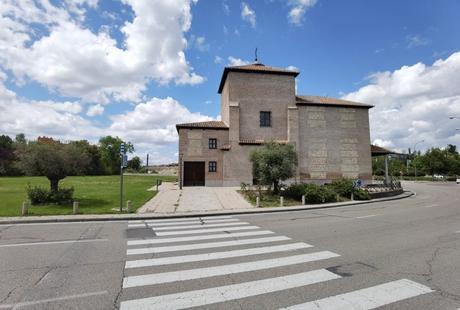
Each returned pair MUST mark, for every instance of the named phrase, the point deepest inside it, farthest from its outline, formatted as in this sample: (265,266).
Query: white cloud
(74,61)
(292,68)
(416,40)
(218,60)
(199,43)
(150,125)
(233,61)
(94,110)
(298,10)
(248,14)
(414,103)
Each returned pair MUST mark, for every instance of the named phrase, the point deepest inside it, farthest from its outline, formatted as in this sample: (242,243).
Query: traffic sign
(122,148)
(124,163)
(357,183)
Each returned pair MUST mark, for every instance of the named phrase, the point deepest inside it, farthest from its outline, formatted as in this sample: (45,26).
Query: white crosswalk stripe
(204,231)
(185,219)
(215,255)
(196,222)
(368,298)
(200,237)
(209,245)
(182,275)
(229,292)
(198,226)
(246,242)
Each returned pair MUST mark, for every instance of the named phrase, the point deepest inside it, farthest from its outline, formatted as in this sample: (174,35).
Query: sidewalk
(140,216)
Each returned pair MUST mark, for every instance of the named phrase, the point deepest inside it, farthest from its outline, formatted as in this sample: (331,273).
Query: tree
(110,153)
(53,160)
(272,163)
(95,166)
(7,156)
(134,163)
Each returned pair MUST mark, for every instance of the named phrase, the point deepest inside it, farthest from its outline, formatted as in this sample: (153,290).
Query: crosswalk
(199,262)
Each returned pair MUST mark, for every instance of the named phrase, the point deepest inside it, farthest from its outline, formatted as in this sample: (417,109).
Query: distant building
(259,104)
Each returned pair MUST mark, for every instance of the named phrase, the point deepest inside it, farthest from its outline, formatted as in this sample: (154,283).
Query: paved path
(170,199)
(402,254)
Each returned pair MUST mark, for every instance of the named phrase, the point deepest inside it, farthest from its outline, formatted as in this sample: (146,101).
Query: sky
(83,69)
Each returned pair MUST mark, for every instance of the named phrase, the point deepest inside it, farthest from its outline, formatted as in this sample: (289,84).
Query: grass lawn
(96,194)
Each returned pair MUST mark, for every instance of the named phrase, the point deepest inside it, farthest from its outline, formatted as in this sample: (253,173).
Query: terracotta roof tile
(255,68)
(377,150)
(204,125)
(320,100)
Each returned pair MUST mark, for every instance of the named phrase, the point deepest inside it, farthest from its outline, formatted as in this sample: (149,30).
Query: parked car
(458,180)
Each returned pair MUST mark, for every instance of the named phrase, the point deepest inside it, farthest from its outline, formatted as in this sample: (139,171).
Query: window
(213,143)
(212,166)
(265,119)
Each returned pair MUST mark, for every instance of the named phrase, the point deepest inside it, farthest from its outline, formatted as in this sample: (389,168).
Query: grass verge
(96,194)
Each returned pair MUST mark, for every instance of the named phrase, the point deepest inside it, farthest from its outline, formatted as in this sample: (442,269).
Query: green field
(96,194)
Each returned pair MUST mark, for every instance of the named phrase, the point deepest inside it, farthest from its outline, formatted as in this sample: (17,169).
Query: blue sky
(134,68)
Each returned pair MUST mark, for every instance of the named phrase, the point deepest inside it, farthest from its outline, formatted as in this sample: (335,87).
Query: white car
(458,180)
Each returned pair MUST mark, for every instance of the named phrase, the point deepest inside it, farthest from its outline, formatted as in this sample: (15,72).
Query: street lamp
(415,163)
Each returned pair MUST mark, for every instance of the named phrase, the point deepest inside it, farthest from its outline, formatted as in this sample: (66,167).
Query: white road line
(368,298)
(44,301)
(204,231)
(366,216)
(215,255)
(182,219)
(181,223)
(229,292)
(210,245)
(183,275)
(458,232)
(51,242)
(199,237)
(197,226)
(428,206)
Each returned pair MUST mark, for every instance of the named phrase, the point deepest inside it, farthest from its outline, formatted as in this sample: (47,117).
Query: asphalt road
(403,254)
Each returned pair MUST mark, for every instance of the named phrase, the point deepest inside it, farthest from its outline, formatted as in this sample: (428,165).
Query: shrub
(37,194)
(343,187)
(62,196)
(319,194)
(295,191)
(360,194)
(40,195)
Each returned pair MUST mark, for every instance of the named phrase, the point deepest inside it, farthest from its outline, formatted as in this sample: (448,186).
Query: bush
(40,195)
(62,196)
(343,187)
(37,194)
(360,194)
(318,194)
(295,191)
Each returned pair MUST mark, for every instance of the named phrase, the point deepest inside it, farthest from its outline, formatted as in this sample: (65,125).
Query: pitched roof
(320,100)
(219,125)
(378,151)
(255,68)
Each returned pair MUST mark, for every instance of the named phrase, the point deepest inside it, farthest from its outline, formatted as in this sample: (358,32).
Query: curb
(134,216)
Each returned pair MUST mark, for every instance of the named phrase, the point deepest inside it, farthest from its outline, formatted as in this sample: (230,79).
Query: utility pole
(122,158)
(415,154)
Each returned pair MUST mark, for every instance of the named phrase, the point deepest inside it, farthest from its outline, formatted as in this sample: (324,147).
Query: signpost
(123,161)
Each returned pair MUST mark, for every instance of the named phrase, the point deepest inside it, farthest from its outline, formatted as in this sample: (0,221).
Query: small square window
(265,118)
(212,166)
(212,143)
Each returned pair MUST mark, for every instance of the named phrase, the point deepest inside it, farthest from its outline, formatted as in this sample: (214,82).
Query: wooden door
(194,173)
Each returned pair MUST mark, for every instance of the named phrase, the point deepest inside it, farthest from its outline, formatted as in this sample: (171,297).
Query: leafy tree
(109,148)
(54,160)
(134,163)
(95,165)
(272,163)
(6,155)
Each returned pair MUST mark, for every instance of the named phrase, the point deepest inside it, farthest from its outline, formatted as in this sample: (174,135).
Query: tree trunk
(275,187)
(54,185)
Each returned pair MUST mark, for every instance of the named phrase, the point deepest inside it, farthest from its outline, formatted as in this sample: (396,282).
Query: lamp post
(415,163)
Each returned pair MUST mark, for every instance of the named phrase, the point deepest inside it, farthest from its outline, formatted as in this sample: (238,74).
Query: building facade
(259,104)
